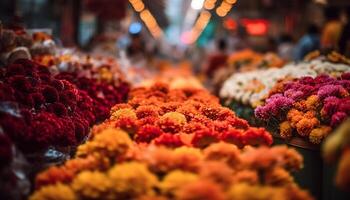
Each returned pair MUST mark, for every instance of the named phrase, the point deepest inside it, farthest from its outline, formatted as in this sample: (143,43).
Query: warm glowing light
(137,5)
(231,1)
(230,24)
(151,23)
(202,21)
(255,27)
(209,4)
(197,4)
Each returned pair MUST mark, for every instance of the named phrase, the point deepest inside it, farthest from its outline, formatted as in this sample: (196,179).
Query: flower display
(310,107)
(147,172)
(177,117)
(39,111)
(245,61)
(251,88)
(104,95)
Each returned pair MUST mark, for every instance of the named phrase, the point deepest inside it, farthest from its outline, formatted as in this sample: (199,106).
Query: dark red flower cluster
(177,117)
(103,94)
(39,110)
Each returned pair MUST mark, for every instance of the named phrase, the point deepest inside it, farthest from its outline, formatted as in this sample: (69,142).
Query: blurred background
(179,29)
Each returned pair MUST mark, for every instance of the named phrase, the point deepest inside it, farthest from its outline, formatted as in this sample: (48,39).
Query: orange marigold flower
(294,116)
(204,138)
(147,133)
(218,172)
(147,121)
(286,130)
(238,123)
(305,126)
(278,177)
(129,125)
(312,102)
(147,111)
(287,158)
(234,136)
(192,127)
(162,87)
(123,113)
(246,176)
(176,95)
(169,140)
(159,159)
(54,192)
(202,189)
(223,152)
(92,185)
(169,107)
(188,159)
(130,180)
(175,180)
(110,143)
(257,136)
(316,136)
(54,175)
(119,106)
(171,122)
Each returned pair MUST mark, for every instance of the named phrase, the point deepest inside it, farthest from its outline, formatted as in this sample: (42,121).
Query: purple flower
(275,107)
(331,90)
(338,118)
(330,106)
(293,94)
(324,79)
(307,80)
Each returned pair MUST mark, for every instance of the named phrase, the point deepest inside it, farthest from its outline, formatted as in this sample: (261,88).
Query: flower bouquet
(307,107)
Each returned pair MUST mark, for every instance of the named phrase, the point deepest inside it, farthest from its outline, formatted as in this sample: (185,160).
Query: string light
(209,4)
(137,5)
(147,18)
(197,4)
(225,7)
(199,26)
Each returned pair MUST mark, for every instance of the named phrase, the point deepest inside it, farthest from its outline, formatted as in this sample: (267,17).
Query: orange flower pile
(110,166)
(177,117)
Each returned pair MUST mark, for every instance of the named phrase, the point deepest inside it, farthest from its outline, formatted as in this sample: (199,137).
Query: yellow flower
(110,142)
(54,192)
(286,130)
(318,134)
(278,177)
(200,190)
(176,116)
(223,152)
(188,159)
(312,102)
(175,180)
(123,113)
(92,185)
(132,179)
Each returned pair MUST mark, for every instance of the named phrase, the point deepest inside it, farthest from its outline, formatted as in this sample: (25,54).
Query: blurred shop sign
(255,27)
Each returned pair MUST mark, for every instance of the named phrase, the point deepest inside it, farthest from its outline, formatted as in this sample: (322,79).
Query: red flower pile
(104,95)
(176,117)
(38,110)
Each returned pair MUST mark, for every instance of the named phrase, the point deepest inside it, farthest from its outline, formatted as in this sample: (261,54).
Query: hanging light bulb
(197,4)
